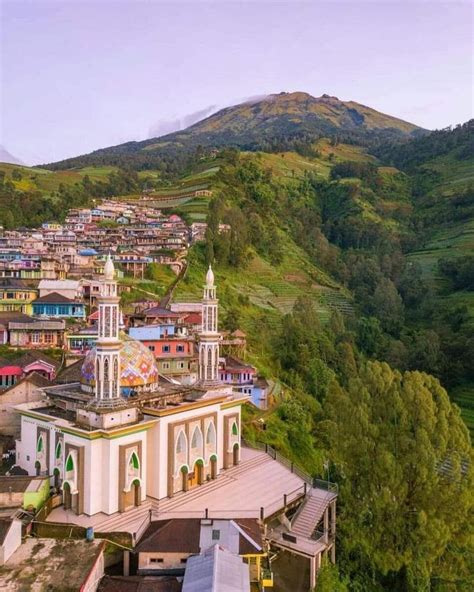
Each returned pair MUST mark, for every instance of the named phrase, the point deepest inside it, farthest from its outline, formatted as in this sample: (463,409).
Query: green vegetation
(348,263)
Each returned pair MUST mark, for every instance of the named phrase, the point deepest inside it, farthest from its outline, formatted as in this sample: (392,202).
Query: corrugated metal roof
(59,285)
(217,570)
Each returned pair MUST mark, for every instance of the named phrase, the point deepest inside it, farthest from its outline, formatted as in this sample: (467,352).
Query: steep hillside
(442,170)
(281,121)
(8,157)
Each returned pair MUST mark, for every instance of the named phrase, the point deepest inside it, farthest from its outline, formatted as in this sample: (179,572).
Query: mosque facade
(123,434)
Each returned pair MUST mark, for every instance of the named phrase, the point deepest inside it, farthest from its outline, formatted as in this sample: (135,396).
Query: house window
(151,348)
(180,348)
(166,366)
(35,337)
(184,560)
(156,559)
(49,337)
(165,349)
(216,535)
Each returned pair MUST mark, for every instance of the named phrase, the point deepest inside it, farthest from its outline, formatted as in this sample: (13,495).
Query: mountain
(275,122)
(7,157)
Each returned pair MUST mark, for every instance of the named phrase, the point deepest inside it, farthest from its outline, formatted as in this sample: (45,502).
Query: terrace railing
(294,468)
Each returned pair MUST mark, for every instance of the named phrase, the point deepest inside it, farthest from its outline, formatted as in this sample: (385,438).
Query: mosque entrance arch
(213,460)
(235,454)
(56,478)
(197,475)
(67,498)
(137,490)
(185,478)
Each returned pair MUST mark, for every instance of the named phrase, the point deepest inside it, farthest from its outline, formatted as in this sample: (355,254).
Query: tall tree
(404,461)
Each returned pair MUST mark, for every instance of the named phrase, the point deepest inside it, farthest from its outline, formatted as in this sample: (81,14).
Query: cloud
(164,127)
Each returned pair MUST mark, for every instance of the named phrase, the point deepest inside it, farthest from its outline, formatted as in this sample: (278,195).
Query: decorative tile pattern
(137,365)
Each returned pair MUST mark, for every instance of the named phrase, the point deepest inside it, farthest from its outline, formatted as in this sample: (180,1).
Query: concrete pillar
(326,525)
(333,531)
(126,563)
(312,573)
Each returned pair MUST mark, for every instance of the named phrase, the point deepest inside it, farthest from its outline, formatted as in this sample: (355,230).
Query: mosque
(123,433)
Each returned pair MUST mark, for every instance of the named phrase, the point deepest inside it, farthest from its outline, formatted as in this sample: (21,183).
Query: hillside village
(60,315)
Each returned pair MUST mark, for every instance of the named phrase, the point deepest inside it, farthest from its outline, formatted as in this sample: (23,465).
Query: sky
(80,75)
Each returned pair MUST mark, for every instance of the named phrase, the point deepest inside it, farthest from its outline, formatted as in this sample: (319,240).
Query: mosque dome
(137,366)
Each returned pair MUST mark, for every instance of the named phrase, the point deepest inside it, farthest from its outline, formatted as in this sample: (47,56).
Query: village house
(36,333)
(166,545)
(70,289)
(24,390)
(16,296)
(56,305)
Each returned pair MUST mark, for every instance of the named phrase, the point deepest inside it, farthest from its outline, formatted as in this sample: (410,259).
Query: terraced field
(464,397)
(36,179)
(290,164)
(454,241)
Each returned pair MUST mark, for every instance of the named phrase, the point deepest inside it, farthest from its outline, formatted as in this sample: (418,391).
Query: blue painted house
(57,305)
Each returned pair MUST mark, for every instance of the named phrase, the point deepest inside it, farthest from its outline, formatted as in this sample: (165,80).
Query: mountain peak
(267,122)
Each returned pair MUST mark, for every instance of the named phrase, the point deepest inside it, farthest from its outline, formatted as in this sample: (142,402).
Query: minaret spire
(209,337)
(107,369)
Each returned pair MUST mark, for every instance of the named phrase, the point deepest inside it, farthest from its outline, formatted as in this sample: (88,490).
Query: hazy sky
(77,75)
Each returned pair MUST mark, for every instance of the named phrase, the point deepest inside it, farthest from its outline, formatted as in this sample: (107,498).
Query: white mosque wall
(156,464)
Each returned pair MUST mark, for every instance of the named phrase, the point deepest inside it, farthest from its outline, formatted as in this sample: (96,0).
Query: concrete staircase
(125,521)
(224,478)
(310,513)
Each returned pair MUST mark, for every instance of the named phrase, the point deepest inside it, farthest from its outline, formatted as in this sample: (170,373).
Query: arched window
(196,440)
(134,462)
(39,445)
(211,434)
(69,464)
(235,429)
(181,443)
(58,450)
(209,360)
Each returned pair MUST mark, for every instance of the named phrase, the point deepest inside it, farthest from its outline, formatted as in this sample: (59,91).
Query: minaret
(209,337)
(107,369)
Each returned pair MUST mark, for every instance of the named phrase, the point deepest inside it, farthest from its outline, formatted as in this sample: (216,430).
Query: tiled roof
(171,536)
(15,317)
(32,356)
(71,373)
(161,312)
(54,298)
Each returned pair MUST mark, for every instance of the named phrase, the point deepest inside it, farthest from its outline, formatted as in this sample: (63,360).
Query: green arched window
(39,445)
(58,450)
(235,429)
(69,464)
(134,462)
